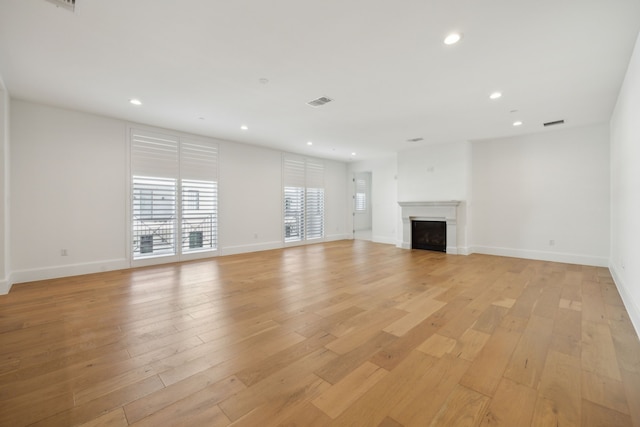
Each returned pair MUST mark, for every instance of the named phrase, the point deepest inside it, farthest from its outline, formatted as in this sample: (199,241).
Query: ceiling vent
(319,101)
(415,139)
(66,4)
(557,122)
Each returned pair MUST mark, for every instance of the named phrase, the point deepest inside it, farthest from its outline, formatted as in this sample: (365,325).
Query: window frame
(307,175)
(181,165)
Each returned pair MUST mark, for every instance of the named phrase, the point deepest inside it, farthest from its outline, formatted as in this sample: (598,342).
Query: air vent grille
(319,101)
(557,122)
(66,4)
(415,139)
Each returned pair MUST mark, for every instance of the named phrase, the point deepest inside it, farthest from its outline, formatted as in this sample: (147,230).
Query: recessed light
(135,101)
(309,143)
(517,123)
(495,95)
(452,38)
(244,127)
(353,154)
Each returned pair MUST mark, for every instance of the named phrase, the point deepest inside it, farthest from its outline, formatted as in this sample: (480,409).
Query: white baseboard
(464,250)
(629,303)
(542,255)
(45,273)
(384,239)
(5,285)
(242,249)
(334,237)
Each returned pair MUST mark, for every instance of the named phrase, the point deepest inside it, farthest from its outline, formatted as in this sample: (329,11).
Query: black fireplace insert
(429,235)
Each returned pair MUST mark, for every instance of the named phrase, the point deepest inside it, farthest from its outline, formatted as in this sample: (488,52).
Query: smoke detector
(65,4)
(319,101)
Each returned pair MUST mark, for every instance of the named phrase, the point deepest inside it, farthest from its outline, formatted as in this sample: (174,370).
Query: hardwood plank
(512,405)
(470,344)
(604,391)
(297,375)
(354,333)
(342,394)
(567,332)
(115,418)
(342,365)
(528,359)
(437,345)
(436,383)
(464,407)
(95,408)
(307,415)
(391,355)
(598,352)
(248,340)
(486,371)
(559,394)
(371,408)
(199,408)
(594,415)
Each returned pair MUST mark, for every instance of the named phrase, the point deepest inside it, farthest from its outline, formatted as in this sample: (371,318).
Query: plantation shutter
(294,189)
(154,170)
(303,198)
(199,195)
(315,199)
(174,195)
(361,195)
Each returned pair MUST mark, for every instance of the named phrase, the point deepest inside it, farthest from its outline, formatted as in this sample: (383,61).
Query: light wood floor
(348,333)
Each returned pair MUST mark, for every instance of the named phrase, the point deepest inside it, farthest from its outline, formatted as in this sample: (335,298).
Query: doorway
(362,215)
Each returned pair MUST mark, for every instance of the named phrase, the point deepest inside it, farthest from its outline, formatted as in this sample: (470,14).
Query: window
(303,199)
(361,195)
(174,207)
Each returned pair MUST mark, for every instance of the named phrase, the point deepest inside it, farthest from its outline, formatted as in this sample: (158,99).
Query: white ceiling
(196,65)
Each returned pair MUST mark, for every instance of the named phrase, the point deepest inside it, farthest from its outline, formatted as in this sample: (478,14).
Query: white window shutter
(174,195)
(199,188)
(303,182)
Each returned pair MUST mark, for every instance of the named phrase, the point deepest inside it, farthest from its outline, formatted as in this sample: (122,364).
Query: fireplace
(431,211)
(429,235)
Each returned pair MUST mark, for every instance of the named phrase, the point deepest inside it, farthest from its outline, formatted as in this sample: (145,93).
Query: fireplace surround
(446,211)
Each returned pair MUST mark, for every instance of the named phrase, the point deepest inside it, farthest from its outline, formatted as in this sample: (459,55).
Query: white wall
(69,181)
(434,173)
(250,180)
(529,190)
(336,203)
(5,276)
(625,190)
(438,172)
(384,197)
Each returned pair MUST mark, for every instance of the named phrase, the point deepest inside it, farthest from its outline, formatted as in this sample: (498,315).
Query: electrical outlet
(552,242)
(255,235)
(63,252)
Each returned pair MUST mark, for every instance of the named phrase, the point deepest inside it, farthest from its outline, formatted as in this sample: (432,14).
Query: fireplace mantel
(431,211)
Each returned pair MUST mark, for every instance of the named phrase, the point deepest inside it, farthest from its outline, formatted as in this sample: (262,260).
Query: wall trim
(257,247)
(5,285)
(629,303)
(562,257)
(56,272)
(334,237)
(384,239)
